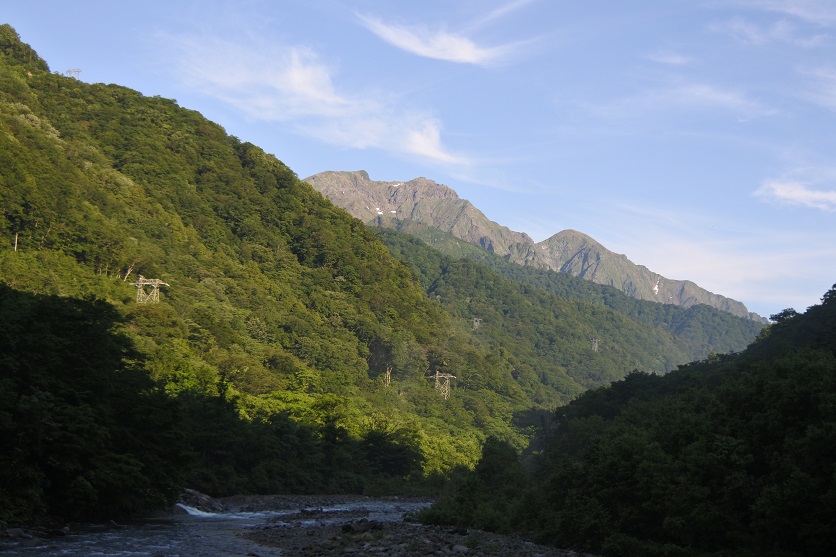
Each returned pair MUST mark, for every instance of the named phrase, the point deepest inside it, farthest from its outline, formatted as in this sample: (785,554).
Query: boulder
(201,501)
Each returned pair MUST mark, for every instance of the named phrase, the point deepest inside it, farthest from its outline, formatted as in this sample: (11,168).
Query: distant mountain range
(402,205)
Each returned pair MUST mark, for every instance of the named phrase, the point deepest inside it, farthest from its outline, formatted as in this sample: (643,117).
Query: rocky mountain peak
(434,205)
(420,200)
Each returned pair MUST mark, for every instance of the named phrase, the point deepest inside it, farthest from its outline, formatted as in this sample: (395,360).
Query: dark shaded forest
(87,434)
(732,455)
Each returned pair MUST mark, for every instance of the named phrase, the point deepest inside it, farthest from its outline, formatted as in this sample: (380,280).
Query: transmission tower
(476,322)
(73,72)
(595,345)
(143,297)
(443,387)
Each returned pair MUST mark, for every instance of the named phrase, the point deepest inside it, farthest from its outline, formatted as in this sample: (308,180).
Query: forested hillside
(289,351)
(732,455)
(697,331)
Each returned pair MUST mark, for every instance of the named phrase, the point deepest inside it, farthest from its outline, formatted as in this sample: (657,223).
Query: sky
(698,137)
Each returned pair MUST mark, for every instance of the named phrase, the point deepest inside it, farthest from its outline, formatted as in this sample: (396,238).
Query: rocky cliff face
(422,201)
(425,202)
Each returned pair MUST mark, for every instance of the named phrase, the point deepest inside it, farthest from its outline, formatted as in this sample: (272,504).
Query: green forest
(295,350)
(731,455)
(700,328)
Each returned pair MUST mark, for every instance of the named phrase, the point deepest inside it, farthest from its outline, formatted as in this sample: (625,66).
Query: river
(204,534)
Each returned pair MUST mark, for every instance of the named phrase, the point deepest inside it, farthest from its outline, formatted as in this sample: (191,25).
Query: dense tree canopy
(84,430)
(733,455)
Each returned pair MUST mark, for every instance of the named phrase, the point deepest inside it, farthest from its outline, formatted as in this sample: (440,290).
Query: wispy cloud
(452,46)
(818,12)
(797,193)
(781,31)
(438,44)
(292,84)
(707,95)
(682,95)
(499,12)
(670,58)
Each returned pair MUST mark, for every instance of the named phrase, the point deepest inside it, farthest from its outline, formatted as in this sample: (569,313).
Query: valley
(180,310)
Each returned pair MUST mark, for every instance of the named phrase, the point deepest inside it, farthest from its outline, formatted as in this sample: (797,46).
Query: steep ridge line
(434,205)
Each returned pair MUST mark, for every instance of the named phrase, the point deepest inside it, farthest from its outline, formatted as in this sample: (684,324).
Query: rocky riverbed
(361,527)
(366,538)
(277,526)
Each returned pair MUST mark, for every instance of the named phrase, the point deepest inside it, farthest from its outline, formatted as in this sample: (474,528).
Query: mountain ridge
(569,251)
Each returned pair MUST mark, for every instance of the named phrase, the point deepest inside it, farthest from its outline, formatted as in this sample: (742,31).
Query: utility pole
(153,297)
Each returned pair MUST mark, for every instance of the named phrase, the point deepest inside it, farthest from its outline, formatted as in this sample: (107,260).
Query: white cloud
(797,193)
(437,44)
(706,95)
(425,140)
(291,84)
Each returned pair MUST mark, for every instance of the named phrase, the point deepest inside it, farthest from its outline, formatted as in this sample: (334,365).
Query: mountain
(572,334)
(697,330)
(433,205)
(424,202)
(179,308)
(576,253)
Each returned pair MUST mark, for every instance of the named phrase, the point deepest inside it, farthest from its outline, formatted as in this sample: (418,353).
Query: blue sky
(696,137)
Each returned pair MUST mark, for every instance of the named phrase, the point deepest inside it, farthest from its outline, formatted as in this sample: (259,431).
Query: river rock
(401,539)
(16,533)
(201,501)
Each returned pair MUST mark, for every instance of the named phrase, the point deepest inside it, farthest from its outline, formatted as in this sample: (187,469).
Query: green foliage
(17,52)
(544,323)
(488,497)
(732,455)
